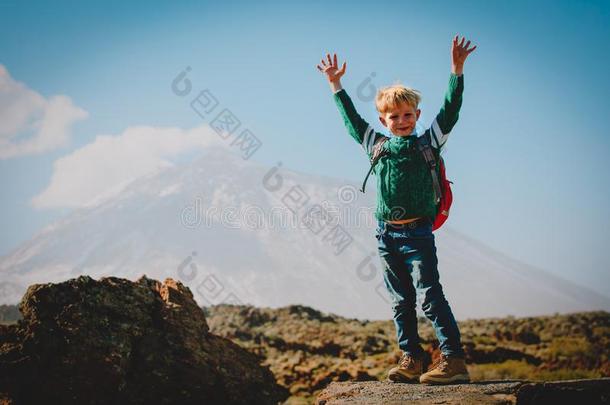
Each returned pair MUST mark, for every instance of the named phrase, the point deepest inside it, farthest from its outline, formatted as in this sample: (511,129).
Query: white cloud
(41,124)
(106,165)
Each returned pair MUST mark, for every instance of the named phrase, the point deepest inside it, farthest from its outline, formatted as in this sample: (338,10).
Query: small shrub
(508,370)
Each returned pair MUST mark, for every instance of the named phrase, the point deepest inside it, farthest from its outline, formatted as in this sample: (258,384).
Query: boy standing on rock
(406,208)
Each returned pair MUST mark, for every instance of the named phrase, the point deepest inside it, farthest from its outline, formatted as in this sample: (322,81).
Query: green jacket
(404,183)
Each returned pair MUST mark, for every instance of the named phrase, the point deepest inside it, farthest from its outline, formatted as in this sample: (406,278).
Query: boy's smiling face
(400,120)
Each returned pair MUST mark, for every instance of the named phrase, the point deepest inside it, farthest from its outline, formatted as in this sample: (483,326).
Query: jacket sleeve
(356,126)
(445,120)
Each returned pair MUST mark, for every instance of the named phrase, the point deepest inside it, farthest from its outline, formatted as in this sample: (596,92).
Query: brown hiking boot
(408,370)
(447,370)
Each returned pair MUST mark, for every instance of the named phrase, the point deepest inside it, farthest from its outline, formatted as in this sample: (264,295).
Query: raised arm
(449,113)
(356,126)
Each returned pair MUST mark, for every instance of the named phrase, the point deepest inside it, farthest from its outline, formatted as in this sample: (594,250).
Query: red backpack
(442,186)
(442,208)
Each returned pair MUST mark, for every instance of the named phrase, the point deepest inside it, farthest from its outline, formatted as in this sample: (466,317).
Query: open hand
(331,69)
(459,53)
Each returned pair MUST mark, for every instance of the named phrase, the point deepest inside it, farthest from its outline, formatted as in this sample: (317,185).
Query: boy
(406,207)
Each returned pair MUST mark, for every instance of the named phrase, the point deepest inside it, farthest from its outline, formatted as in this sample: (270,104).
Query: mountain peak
(237,231)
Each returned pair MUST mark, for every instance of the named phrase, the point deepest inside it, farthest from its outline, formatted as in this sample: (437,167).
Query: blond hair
(390,97)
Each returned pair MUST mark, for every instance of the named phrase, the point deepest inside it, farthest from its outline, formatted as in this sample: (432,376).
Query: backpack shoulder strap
(378,148)
(378,152)
(423,144)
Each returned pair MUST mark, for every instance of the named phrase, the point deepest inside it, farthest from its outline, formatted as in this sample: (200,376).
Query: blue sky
(528,157)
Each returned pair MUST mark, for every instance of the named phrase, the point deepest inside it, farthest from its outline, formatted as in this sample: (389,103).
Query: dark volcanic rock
(118,341)
(588,392)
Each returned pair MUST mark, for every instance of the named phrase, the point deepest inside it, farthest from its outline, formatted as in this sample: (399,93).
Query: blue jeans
(409,263)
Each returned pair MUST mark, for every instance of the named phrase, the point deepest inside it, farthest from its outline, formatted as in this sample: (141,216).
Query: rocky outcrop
(588,392)
(118,341)
(306,350)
